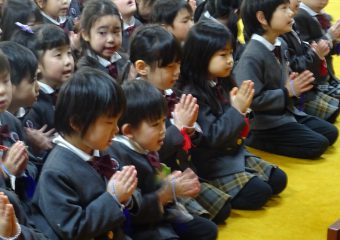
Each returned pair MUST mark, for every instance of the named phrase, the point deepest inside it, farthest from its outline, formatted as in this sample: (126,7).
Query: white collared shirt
(134,146)
(45,88)
(129,23)
(59,140)
(265,42)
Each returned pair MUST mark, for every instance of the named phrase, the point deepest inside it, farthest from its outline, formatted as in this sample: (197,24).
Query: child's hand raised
(185,112)
(8,226)
(321,48)
(123,183)
(39,139)
(242,97)
(299,83)
(16,158)
(335,30)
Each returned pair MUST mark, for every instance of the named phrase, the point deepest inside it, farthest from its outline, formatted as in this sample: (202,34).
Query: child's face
(54,8)
(26,93)
(221,63)
(126,7)
(149,135)
(282,20)
(181,25)
(164,77)
(316,5)
(294,6)
(56,65)
(99,134)
(105,36)
(5,91)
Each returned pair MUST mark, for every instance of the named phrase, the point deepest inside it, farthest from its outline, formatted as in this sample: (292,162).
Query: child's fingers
(43,128)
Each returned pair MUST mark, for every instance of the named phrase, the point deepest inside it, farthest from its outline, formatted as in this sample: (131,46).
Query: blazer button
(110,235)
(239,141)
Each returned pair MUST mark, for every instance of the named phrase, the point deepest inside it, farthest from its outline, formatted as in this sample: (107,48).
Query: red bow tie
(113,72)
(153,159)
(172,100)
(104,165)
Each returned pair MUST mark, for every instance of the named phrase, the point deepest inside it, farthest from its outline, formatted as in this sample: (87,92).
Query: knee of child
(277,180)
(223,214)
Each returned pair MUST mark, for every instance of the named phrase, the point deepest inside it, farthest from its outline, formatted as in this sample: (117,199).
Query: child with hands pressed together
(278,126)
(142,129)
(155,54)
(220,157)
(80,194)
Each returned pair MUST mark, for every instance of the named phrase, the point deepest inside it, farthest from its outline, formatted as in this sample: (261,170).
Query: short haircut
(249,8)
(143,103)
(22,61)
(155,46)
(165,11)
(4,64)
(49,36)
(89,94)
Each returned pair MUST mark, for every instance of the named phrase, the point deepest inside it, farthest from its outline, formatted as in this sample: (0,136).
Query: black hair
(89,94)
(22,61)
(155,46)
(165,11)
(49,36)
(92,11)
(143,103)
(4,64)
(26,38)
(204,40)
(249,8)
(17,11)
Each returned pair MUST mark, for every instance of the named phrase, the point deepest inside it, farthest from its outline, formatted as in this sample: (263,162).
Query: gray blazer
(271,105)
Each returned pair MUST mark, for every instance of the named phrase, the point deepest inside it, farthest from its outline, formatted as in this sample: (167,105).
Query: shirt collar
(308,9)
(104,62)
(129,23)
(134,146)
(59,140)
(49,18)
(168,92)
(45,88)
(265,42)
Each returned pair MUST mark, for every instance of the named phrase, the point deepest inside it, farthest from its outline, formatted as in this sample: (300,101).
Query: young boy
(314,25)
(127,9)
(174,15)
(142,129)
(278,127)
(80,194)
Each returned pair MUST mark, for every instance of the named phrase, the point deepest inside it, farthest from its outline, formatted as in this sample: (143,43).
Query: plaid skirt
(232,184)
(323,106)
(208,203)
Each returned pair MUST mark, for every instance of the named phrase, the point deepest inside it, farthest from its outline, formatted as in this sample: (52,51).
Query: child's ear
(127,130)
(74,125)
(40,3)
(262,19)
(85,36)
(142,68)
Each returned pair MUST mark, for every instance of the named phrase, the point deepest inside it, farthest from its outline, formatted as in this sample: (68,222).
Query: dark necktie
(104,165)
(172,100)
(113,72)
(54,96)
(153,159)
(324,21)
(220,93)
(130,30)
(277,53)
(4,133)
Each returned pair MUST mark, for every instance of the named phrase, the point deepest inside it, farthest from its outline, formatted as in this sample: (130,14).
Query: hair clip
(24,27)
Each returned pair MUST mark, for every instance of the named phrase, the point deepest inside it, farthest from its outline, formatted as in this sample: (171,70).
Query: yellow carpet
(310,203)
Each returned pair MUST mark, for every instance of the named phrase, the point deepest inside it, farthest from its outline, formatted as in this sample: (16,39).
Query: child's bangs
(51,37)
(169,51)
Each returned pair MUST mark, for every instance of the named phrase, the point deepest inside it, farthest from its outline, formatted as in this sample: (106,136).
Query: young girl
(101,36)
(81,195)
(278,126)
(55,66)
(127,8)
(25,12)
(174,15)
(55,12)
(155,54)
(221,158)
(142,135)
(302,56)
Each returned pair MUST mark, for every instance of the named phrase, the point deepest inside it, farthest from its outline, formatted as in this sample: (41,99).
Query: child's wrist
(17,234)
